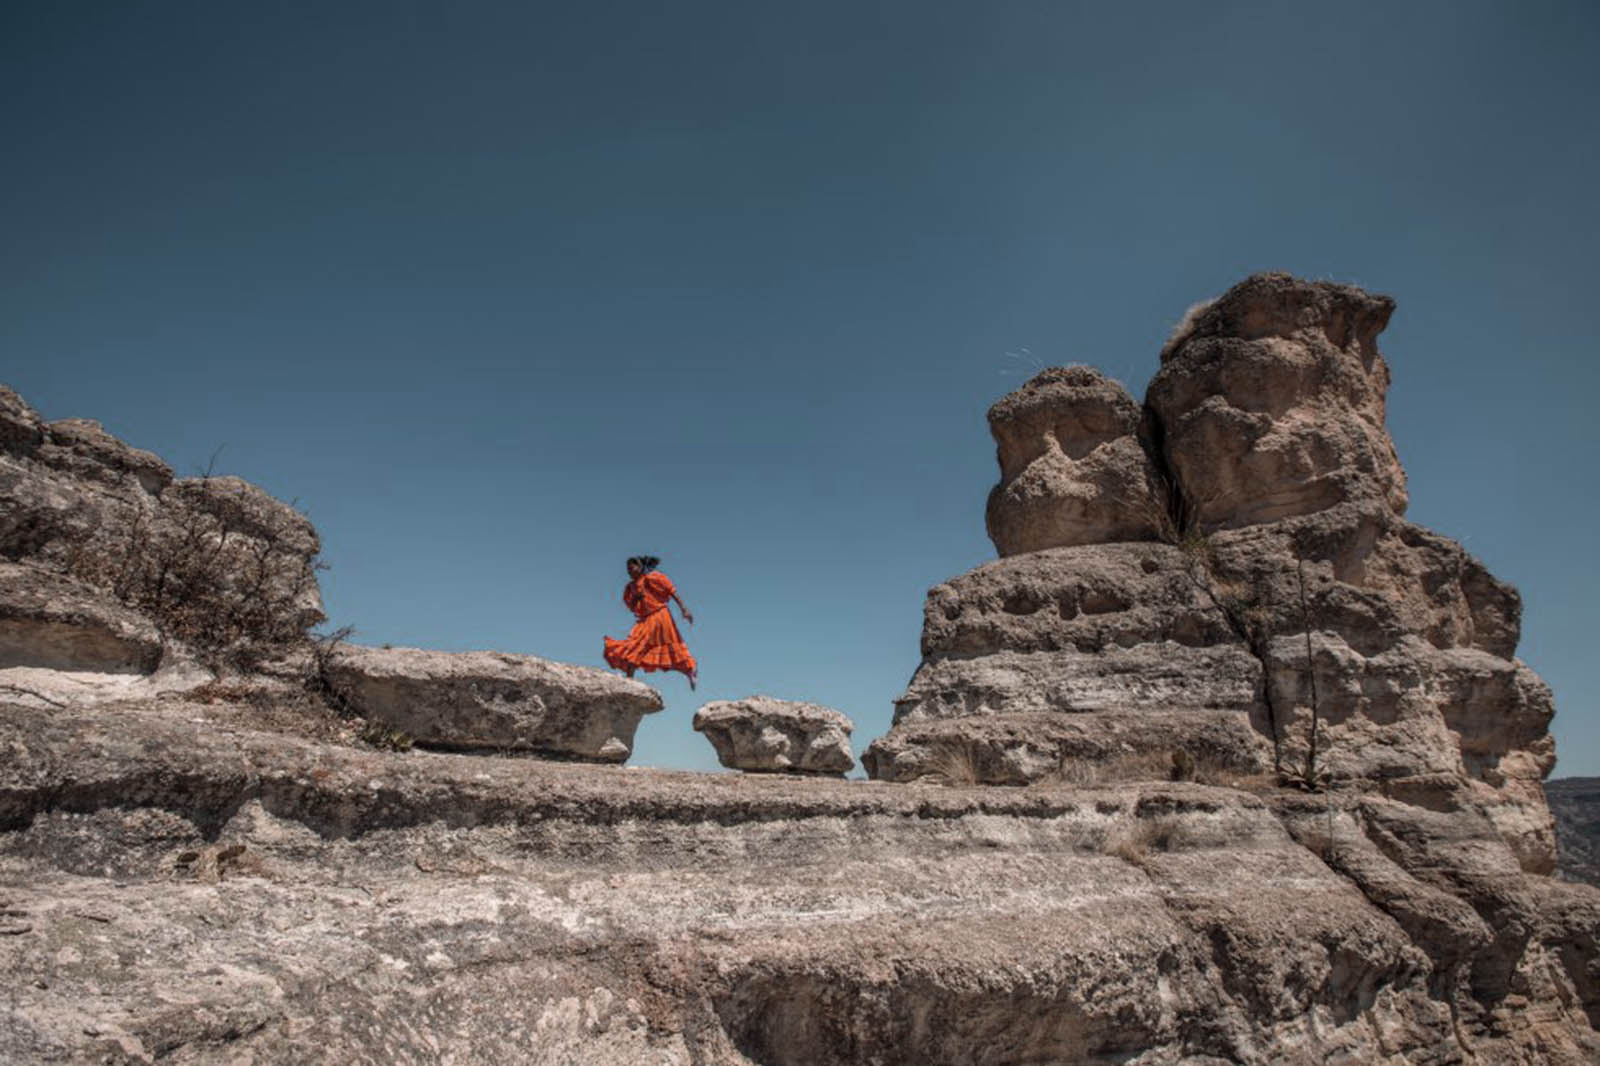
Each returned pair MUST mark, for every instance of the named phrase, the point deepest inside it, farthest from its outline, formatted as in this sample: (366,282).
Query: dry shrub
(1185,327)
(950,763)
(232,594)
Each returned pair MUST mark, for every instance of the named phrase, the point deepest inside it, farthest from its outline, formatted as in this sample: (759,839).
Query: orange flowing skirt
(653,644)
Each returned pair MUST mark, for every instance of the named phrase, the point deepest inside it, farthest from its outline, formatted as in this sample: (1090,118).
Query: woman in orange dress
(654,643)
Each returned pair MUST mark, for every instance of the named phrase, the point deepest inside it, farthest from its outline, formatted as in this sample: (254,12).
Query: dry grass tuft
(1185,327)
(951,763)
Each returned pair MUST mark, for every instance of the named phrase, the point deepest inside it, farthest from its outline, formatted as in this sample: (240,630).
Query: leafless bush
(235,597)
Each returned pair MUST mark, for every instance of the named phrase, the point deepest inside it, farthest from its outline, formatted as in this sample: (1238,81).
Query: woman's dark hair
(649,562)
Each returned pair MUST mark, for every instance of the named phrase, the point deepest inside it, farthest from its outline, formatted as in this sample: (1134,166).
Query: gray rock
(763,734)
(52,622)
(491,700)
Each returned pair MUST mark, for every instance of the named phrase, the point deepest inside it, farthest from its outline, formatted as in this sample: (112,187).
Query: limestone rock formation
(1073,466)
(764,734)
(1270,403)
(491,700)
(211,561)
(1078,629)
(1362,647)
(1295,627)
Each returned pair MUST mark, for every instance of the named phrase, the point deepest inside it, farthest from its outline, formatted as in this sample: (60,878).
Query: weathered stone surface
(210,560)
(1073,468)
(491,700)
(1360,646)
(763,734)
(1271,403)
(1575,805)
(348,905)
(82,447)
(1021,748)
(1079,629)
(50,621)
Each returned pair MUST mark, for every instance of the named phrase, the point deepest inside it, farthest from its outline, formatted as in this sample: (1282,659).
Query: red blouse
(648,593)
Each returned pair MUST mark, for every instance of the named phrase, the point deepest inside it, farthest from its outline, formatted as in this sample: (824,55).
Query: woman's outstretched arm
(687,617)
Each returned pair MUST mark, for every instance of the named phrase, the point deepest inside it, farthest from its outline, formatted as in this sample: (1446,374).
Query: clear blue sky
(505,292)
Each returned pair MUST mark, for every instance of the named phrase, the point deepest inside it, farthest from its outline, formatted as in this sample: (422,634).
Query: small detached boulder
(486,700)
(761,734)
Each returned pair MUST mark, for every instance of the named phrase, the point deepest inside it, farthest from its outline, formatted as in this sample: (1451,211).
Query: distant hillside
(1575,801)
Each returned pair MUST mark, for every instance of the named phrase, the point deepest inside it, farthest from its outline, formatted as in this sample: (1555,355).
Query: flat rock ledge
(764,735)
(492,701)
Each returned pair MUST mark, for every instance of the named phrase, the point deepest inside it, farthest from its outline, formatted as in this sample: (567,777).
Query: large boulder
(484,700)
(764,734)
(1073,467)
(1270,402)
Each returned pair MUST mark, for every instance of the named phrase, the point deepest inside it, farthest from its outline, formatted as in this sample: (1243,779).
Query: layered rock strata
(764,735)
(1293,627)
(188,888)
(495,701)
(1362,647)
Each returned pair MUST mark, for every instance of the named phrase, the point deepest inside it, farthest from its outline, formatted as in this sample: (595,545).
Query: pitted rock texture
(491,700)
(207,559)
(184,888)
(767,735)
(1362,648)
(1079,629)
(1271,404)
(1073,466)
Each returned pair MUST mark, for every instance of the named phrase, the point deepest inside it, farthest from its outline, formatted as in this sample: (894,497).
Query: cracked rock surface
(184,888)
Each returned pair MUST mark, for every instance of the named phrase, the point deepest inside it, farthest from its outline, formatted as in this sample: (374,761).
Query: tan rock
(1271,404)
(763,734)
(1073,468)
